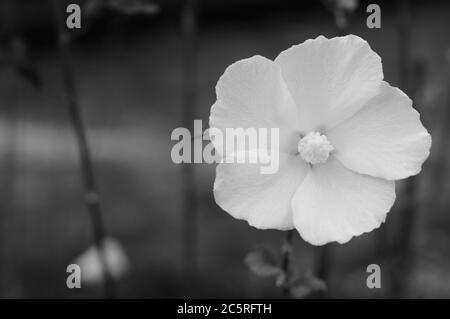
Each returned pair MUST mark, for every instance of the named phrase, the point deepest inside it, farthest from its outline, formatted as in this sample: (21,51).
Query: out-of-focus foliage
(125,7)
(306,285)
(92,270)
(15,52)
(263,263)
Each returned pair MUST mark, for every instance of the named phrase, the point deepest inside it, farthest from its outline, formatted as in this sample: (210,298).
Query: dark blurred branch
(189,221)
(91,195)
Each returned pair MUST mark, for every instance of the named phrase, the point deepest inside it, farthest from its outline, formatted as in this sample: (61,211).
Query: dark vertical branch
(286,260)
(189,221)
(91,195)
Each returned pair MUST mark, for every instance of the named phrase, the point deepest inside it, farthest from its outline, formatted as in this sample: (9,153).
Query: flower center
(315,148)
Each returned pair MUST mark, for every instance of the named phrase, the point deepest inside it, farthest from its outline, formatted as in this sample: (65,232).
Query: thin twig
(91,195)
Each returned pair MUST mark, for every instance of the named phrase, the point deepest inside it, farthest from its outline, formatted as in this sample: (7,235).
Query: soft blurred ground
(130,92)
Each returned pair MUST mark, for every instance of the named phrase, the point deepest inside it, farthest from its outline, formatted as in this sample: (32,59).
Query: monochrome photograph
(224,155)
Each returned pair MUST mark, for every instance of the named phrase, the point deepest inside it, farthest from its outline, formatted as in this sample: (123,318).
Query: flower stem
(323,266)
(91,195)
(286,257)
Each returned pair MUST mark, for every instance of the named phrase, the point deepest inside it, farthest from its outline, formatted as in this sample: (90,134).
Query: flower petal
(263,200)
(384,139)
(335,204)
(252,94)
(329,79)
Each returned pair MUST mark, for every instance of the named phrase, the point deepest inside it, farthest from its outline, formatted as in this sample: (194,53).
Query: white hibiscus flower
(345,136)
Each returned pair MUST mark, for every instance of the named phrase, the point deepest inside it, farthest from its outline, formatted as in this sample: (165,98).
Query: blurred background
(138,69)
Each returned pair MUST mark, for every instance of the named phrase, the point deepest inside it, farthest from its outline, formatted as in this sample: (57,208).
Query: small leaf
(281,280)
(262,263)
(92,268)
(306,285)
(300,291)
(317,284)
